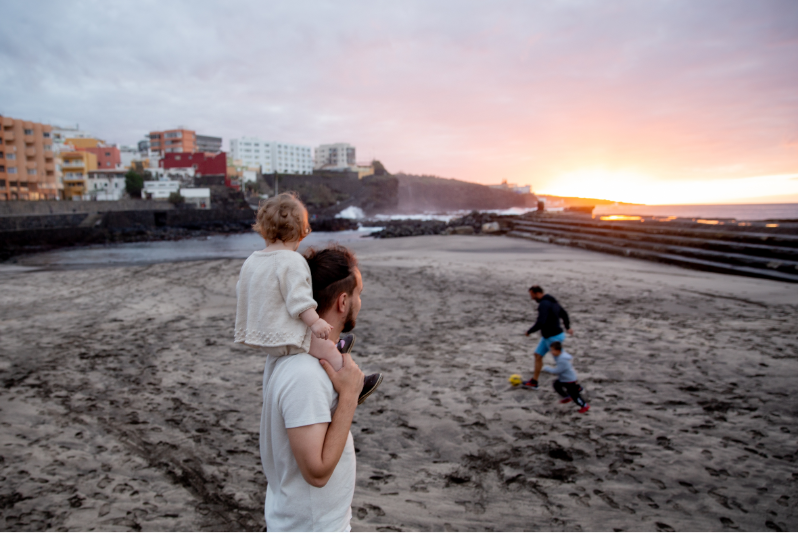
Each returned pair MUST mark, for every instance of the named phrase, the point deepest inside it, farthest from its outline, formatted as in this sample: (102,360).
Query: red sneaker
(531,384)
(584,409)
(565,400)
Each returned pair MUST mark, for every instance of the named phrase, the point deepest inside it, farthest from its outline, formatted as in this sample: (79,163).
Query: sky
(655,102)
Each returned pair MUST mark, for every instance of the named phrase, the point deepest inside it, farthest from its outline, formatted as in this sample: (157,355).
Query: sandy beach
(125,405)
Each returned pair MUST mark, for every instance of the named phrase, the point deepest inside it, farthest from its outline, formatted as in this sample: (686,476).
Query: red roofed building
(209,169)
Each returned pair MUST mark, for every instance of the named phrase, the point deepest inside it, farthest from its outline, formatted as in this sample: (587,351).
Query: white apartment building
(199,197)
(127,155)
(159,190)
(518,189)
(272,156)
(61,134)
(338,156)
(105,185)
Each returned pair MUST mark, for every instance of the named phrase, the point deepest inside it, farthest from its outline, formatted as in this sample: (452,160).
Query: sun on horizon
(642,188)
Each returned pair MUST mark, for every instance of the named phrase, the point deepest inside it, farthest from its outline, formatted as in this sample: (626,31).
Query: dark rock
(333,224)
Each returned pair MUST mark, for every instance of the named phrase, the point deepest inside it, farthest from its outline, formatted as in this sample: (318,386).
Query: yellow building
(75,167)
(27,163)
(84,143)
(364,170)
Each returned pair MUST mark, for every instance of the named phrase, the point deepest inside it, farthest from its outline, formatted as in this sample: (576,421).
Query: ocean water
(739,212)
(237,246)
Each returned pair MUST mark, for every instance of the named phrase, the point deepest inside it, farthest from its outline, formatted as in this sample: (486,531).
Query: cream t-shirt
(297,392)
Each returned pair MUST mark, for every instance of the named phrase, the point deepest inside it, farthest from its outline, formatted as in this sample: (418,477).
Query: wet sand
(125,405)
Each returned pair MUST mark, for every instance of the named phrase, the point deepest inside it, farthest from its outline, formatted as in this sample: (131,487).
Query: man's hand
(569,332)
(347,382)
(321,329)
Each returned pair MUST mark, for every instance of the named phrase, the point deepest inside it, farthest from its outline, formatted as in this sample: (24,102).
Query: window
(48,147)
(46,134)
(12,170)
(11,156)
(28,132)
(2,169)
(2,183)
(31,172)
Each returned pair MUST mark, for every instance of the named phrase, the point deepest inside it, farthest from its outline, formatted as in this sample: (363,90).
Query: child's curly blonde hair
(282,218)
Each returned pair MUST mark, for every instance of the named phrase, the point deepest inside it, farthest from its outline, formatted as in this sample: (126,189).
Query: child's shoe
(584,409)
(565,400)
(531,384)
(370,384)
(345,343)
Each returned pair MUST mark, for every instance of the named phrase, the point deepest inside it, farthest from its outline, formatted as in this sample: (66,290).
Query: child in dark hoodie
(566,385)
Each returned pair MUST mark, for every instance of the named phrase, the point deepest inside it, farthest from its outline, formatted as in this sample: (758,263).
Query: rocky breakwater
(33,233)
(471,224)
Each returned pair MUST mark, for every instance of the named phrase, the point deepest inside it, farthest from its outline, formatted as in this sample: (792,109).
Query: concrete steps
(729,252)
(772,251)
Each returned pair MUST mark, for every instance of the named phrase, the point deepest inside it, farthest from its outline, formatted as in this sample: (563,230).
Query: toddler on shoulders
(275,310)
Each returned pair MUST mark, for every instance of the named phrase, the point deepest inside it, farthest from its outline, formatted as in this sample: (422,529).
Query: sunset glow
(620,217)
(634,187)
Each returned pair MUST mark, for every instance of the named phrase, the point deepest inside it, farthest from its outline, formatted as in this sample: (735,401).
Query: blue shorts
(543,345)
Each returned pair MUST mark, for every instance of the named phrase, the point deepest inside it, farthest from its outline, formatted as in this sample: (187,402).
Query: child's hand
(321,329)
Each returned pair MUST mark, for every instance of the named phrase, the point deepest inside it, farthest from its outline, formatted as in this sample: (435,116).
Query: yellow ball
(515,380)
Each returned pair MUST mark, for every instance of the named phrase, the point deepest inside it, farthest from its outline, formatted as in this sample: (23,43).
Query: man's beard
(349,323)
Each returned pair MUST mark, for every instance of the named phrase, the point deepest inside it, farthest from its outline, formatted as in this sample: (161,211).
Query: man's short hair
(332,271)
(556,345)
(282,218)
(537,289)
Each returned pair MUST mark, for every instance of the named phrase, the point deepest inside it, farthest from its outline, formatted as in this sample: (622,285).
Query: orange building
(27,164)
(75,167)
(108,157)
(173,141)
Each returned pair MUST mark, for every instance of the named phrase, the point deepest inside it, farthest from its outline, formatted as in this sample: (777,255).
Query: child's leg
(559,386)
(573,392)
(325,349)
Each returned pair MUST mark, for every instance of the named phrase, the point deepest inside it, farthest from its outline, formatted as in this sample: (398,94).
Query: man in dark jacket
(550,312)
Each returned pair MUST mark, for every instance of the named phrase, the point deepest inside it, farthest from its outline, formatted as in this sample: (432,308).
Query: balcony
(29,139)
(9,136)
(30,151)
(48,154)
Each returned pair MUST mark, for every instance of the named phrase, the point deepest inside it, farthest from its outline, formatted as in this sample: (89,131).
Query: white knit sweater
(273,289)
